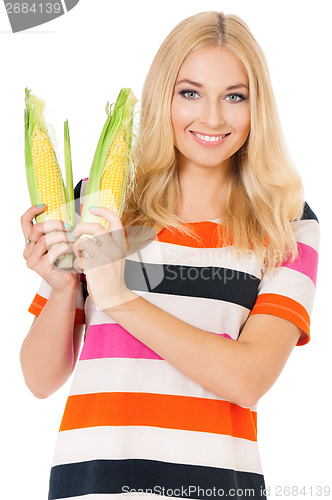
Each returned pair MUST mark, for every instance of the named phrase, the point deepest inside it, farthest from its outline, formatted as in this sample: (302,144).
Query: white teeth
(208,138)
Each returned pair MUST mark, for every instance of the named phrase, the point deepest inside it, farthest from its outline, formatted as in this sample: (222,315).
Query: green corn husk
(121,119)
(69,190)
(34,122)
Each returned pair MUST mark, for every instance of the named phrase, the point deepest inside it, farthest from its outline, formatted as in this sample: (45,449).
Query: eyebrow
(199,85)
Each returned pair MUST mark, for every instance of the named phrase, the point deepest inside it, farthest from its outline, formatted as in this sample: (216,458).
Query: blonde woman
(187,333)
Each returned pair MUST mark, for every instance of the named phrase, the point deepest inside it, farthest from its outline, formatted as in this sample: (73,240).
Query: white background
(77,63)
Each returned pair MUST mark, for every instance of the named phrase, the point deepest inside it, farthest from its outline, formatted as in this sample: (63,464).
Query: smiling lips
(208,140)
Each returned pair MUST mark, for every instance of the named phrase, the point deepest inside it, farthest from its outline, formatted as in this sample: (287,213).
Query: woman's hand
(104,265)
(39,252)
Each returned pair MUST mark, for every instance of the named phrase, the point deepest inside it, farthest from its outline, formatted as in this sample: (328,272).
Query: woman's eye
(235,97)
(189,94)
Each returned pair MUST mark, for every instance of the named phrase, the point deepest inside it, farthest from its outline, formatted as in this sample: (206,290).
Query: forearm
(217,363)
(47,353)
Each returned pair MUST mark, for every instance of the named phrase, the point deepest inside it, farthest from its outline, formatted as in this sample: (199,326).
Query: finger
(95,232)
(77,265)
(116,227)
(28,216)
(90,253)
(45,242)
(83,262)
(57,251)
(49,253)
(48,226)
(105,252)
(85,243)
(93,228)
(108,215)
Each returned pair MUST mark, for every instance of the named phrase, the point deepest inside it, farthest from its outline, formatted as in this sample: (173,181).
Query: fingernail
(92,207)
(72,236)
(67,226)
(40,205)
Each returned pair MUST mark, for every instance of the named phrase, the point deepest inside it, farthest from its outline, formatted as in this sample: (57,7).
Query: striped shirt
(133,423)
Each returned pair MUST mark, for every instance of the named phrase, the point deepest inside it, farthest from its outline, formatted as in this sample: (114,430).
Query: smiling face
(210,109)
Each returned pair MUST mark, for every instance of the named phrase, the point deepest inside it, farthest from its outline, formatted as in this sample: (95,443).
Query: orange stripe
(159,410)
(39,302)
(284,307)
(207,233)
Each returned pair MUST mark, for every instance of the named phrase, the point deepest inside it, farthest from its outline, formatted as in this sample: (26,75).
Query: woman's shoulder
(306,230)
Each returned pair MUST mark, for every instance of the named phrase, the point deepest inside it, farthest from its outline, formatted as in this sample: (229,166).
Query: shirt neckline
(200,221)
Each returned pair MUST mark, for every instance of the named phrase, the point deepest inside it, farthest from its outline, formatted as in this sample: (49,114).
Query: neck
(202,188)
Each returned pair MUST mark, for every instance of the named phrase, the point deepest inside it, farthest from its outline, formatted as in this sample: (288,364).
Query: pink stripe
(110,340)
(306,262)
(223,335)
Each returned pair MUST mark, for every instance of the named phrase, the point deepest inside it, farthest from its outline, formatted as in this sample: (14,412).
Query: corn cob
(43,173)
(112,172)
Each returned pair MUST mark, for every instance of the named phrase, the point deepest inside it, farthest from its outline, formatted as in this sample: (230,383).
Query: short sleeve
(42,296)
(289,291)
(44,291)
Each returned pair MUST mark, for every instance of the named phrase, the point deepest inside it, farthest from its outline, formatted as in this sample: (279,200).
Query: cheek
(241,121)
(181,116)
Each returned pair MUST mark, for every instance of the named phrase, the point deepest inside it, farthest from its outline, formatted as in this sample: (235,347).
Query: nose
(212,114)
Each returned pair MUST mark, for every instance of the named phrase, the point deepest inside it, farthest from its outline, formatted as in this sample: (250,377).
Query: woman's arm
(241,371)
(50,350)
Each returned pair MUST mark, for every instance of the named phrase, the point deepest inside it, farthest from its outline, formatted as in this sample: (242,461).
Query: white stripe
(307,232)
(44,290)
(292,284)
(152,443)
(165,253)
(63,6)
(211,315)
(152,376)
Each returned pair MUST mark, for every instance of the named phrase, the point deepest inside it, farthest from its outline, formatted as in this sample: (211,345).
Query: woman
(185,335)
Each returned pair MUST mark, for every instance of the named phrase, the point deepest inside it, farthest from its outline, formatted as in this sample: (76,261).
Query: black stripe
(308,214)
(144,271)
(121,476)
(191,281)
(77,196)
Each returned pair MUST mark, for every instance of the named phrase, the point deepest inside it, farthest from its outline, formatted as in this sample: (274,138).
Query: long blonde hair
(264,191)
